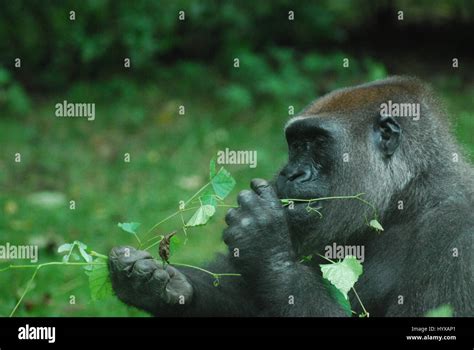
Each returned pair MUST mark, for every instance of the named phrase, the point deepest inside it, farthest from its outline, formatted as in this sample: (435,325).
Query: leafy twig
(355,292)
(37,267)
(213,274)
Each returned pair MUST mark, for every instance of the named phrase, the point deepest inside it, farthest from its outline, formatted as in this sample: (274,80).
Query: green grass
(169,162)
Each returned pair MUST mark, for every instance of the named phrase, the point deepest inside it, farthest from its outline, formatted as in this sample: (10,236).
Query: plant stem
(49,264)
(360,302)
(356,196)
(309,201)
(327,259)
(37,268)
(166,219)
(215,275)
(160,222)
(93,253)
(153,244)
(138,239)
(25,291)
(199,191)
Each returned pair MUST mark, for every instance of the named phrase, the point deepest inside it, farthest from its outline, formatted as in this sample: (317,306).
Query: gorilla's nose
(297,174)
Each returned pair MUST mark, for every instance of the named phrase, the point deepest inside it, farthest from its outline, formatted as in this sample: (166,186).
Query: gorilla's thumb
(264,190)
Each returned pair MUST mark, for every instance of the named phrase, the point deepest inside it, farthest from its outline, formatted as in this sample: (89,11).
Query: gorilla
(409,167)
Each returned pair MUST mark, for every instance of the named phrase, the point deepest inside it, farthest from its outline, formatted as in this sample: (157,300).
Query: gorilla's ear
(388,133)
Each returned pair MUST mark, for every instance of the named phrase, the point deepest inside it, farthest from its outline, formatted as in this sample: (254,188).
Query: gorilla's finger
(237,232)
(159,280)
(227,236)
(144,268)
(161,275)
(230,235)
(172,271)
(246,199)
(178,287)
(153,283)
(122,257)
(264,190)
(231,216)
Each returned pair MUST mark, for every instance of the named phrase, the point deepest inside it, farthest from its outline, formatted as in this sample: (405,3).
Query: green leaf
(375,225)
(99,280)
(222,183)
(80,244)
(208,197)
(84,254)
(130,227)
(444,310)
(344,274)
(338,297)
(66,247)
(69,248)
(212,169)
(74,256)
(201,216)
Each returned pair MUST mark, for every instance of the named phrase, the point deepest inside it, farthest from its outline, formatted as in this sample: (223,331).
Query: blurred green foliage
(56,51)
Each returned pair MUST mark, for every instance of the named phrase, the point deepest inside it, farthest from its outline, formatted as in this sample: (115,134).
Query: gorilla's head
(345,143)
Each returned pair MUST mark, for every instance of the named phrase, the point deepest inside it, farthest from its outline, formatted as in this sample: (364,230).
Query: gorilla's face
(329,156)
(310,153)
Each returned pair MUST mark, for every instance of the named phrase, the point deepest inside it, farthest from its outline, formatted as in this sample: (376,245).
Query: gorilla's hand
(141,281)
(258,228)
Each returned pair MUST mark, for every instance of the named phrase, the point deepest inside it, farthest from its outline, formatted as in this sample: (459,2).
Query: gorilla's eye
(301,146)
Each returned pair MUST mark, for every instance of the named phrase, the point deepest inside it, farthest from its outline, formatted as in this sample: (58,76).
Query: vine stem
(360,302)
(195,194)
(169,218)
(213,274)
(28,285)
(166,219)
(154,244)
(312,200)
(162,221)
(184,225)
(37,267)
(355,196)
(322,256)
(93,253)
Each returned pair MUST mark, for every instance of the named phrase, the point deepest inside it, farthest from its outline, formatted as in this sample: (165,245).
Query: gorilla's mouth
(297,191)
(305,205)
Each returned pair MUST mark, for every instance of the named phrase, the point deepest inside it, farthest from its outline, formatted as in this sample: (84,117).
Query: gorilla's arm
(140,281)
